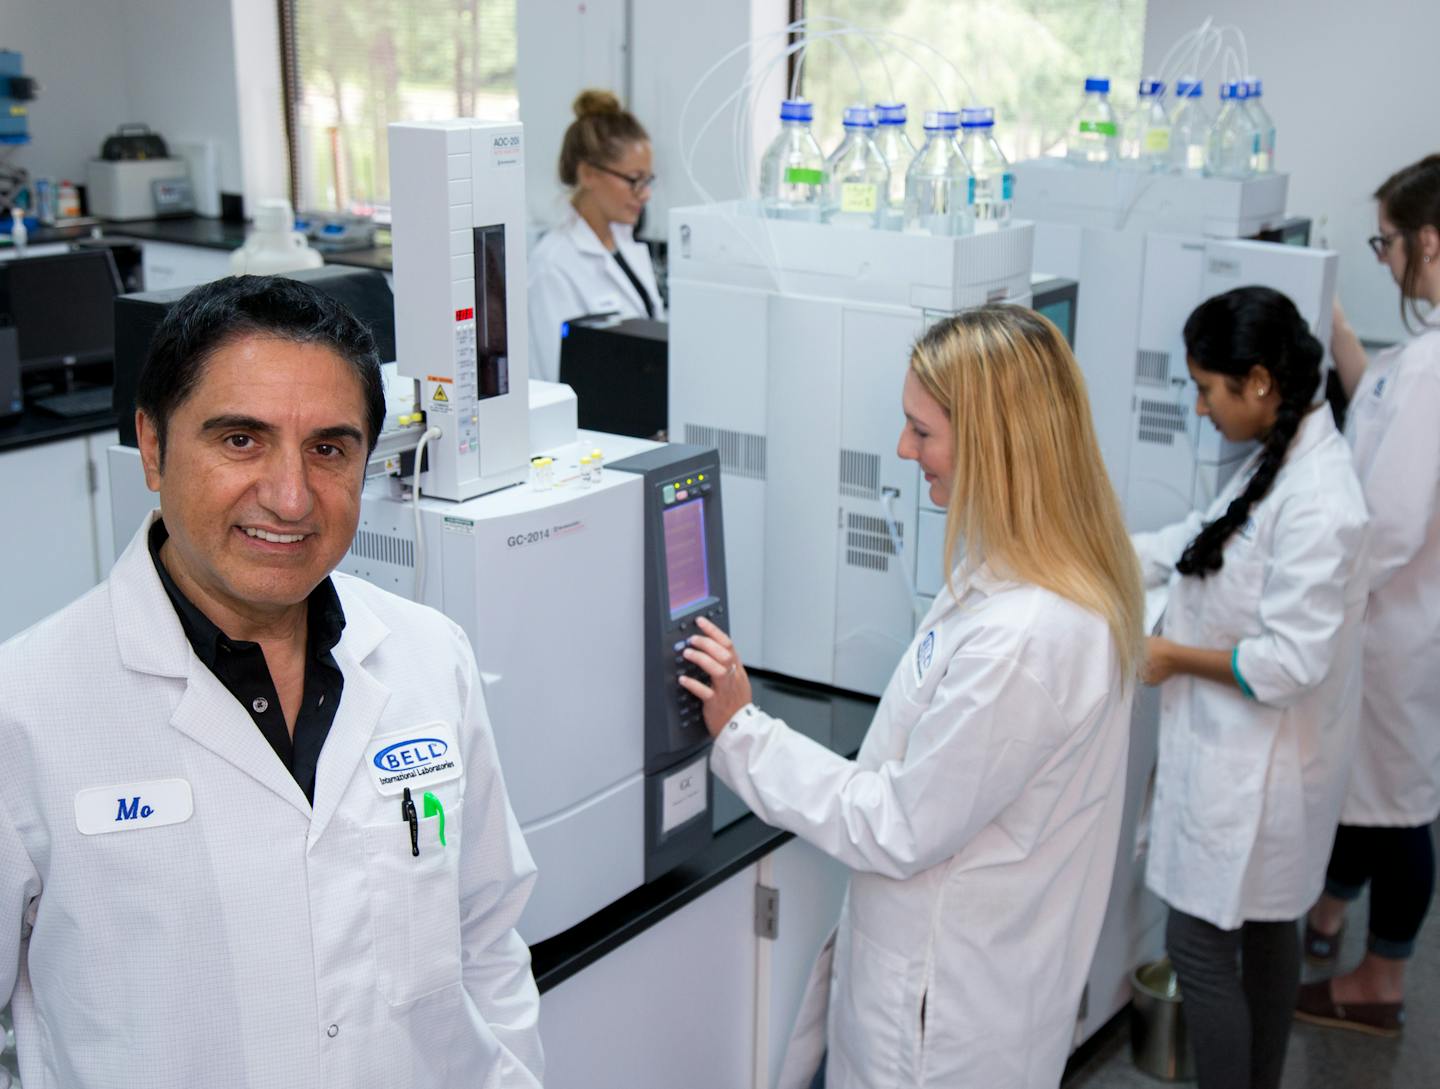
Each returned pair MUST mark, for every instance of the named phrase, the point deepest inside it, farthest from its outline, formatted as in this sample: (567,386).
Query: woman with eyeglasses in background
(591,263)
(1393,426)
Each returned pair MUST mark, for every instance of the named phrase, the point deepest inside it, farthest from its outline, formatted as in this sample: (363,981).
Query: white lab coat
(1248,791)
(258,943)
(571,274)
(1394,426)
(980,818)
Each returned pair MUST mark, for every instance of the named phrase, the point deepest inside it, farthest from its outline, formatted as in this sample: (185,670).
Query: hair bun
(593,103)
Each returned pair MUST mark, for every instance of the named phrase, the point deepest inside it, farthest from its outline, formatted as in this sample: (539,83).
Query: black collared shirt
(241,668)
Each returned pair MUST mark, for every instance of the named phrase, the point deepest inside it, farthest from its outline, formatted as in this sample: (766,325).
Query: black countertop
(213,234)
(836,719)
(35,426)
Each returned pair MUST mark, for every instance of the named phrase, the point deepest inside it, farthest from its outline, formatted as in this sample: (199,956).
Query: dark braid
(1229,335)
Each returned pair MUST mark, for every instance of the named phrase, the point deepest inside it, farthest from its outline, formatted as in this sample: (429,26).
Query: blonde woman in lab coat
(981,816)
(1259,657)
(1393,423)
(591,262)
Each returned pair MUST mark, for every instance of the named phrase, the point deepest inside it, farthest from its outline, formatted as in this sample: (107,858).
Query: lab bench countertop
(35,426)
(212,234)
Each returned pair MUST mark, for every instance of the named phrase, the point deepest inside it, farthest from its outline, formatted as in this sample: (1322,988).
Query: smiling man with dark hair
(255,832)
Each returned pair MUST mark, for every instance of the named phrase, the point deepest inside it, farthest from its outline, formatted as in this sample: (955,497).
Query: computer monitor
(62,307)
(1057,299)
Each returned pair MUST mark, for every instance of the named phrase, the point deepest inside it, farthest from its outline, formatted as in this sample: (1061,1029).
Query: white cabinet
(671,1007)
(51,554)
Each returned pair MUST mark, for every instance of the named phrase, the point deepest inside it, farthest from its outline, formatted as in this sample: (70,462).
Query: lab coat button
(333,1031)
(260,705)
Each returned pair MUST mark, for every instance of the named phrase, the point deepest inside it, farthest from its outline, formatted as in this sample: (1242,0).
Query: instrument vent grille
(741,453)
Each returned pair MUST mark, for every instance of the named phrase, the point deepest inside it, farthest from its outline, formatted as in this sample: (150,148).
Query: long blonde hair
(1030,495)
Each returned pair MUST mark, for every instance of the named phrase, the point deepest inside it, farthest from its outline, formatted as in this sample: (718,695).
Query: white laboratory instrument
(604,755)
(1146,250)
(788,348)
(457,192)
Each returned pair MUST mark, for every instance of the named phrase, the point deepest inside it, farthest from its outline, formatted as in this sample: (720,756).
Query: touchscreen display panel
(687,570)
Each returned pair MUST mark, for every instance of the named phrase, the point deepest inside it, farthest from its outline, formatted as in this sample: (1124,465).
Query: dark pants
(1238,989)
(1399,866)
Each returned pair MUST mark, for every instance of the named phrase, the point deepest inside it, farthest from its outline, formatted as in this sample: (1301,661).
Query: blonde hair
(600,133)
(1030,495)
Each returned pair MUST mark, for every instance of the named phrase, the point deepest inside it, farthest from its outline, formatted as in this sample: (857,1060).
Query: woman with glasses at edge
(591,263)
(1393,425)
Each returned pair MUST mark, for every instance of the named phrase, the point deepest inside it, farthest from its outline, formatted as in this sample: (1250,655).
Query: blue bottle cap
(1189,88)
(797,109)
(890,113)
(859,117)
(941,120)
(1236,90)
(977,117)
(1097,83)
(1255,88)
(1151,87)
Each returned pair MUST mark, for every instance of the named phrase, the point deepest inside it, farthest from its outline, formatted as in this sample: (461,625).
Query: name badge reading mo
(131,806)
(415,759)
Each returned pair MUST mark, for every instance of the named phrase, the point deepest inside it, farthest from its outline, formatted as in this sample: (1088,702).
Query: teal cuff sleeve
(1235,669)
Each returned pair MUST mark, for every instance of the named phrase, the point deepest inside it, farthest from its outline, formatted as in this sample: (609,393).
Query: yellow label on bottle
(1157,140)
(859,197)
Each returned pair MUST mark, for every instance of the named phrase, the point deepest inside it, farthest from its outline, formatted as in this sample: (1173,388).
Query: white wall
(180,75)
(69,46)
(171,64)
(1350,86)
(630,47)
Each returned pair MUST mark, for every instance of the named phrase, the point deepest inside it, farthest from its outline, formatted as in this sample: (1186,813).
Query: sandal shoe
(1316,1006)
(1321,950)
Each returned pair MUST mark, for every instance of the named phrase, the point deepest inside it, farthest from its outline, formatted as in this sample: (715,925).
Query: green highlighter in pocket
(434,808)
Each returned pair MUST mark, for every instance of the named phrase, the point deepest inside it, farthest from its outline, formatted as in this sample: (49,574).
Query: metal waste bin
(1159,1040)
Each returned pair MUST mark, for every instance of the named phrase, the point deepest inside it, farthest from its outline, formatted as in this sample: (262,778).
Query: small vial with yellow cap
(584,478)
(542,474)
(597,462)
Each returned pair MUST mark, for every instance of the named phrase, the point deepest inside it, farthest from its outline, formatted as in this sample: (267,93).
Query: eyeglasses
(1380,243)
(638,182)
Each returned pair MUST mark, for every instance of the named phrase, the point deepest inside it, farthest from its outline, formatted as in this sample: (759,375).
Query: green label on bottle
(1103,128)
(799,175)
(1157,140)
(859,197)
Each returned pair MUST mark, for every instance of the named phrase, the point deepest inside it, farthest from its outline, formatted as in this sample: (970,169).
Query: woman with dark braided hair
(1259,657)
(1393,424)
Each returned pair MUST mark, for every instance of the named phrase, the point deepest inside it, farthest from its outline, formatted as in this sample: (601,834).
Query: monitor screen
(687,569)
(1062,313)
(492,342)
(63,307)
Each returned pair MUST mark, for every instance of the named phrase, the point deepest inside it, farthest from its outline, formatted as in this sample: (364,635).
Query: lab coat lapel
(211,717)
(604,263)
(361,705)
(151,640)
